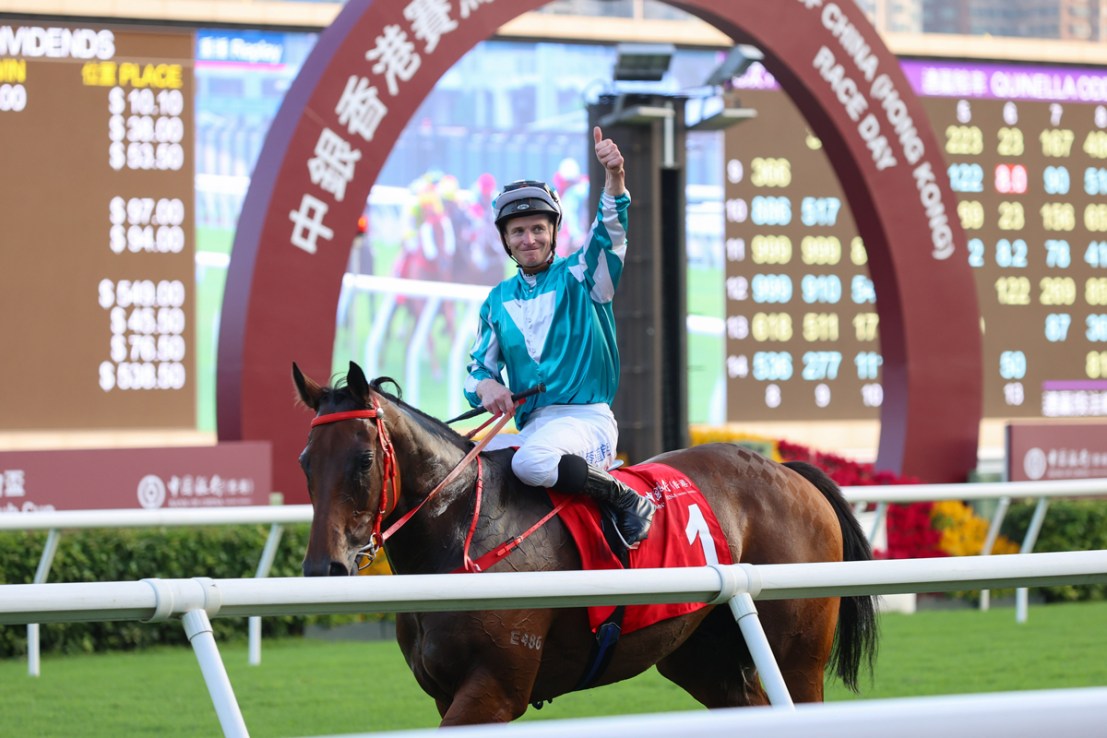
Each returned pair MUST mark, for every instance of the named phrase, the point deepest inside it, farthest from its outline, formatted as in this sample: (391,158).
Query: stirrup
(612,516)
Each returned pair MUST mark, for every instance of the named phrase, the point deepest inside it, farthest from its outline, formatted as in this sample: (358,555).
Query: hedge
(1069,525)
(108,555)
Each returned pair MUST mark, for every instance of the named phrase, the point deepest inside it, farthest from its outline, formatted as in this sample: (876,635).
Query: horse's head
(346,462)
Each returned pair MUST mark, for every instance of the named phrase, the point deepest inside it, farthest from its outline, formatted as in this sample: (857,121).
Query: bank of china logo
(151,492)
(1035,464)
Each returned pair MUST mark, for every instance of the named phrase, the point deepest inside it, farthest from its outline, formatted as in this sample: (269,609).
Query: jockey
(552,323)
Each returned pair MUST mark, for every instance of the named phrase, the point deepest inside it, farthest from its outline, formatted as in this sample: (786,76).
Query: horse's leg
(480,667)
(801,633)
(484,698)
(714,665)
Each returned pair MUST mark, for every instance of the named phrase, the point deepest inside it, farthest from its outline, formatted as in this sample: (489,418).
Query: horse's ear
(356,383)
(310,392)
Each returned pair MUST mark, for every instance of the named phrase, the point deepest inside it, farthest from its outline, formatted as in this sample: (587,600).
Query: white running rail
(197,600)
(279,515)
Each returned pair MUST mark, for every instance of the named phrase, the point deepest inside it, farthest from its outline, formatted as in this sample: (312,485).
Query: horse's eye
(365,461)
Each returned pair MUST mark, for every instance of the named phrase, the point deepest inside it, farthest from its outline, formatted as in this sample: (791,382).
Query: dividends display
(1026,155)
(96,215)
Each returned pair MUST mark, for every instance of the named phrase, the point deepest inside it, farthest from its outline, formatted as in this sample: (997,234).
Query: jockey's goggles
(527,197)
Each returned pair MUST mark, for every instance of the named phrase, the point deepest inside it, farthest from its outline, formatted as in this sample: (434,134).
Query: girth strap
(603,649)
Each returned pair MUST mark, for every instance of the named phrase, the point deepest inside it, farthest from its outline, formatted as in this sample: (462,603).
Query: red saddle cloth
(684,533)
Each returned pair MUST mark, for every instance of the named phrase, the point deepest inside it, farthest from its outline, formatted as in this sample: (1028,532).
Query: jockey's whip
(516,398)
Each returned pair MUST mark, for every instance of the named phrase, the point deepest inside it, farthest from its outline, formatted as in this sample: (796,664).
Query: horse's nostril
(323,568)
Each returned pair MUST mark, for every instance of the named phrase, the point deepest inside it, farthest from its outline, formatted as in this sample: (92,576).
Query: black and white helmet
(527,197)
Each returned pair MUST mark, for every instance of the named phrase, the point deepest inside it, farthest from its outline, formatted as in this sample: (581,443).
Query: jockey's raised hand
(611,159)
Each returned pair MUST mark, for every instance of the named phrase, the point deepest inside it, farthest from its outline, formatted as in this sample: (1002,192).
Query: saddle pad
(678,537)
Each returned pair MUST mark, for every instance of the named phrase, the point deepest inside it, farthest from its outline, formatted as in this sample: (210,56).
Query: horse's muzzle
(325,568)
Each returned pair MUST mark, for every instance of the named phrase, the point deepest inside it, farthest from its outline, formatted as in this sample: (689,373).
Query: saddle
(685,532)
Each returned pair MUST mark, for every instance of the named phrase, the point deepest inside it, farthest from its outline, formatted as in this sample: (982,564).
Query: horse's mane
(429,423)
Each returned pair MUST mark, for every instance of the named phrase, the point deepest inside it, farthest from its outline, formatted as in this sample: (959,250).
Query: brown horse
(372,459)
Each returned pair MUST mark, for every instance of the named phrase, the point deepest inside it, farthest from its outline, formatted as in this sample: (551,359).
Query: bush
(105,555)
(1069,525)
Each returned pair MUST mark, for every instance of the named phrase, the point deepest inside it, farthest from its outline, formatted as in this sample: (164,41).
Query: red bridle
(376,414)
(388,501)
(344,415)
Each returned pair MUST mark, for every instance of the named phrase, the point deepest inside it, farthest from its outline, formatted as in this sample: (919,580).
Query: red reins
(390,469)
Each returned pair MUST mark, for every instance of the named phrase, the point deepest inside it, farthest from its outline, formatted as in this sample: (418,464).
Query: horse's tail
(856,637)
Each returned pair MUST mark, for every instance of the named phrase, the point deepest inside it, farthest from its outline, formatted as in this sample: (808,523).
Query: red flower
(910,531)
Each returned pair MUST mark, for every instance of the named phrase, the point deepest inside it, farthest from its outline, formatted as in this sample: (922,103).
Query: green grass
(309,687)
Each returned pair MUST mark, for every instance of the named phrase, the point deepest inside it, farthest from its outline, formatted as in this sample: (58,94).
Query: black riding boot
(631,512)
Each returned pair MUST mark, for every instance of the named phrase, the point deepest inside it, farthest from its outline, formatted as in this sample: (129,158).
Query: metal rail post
(745,613)
(265,565)
(42,573)
(1022,600)
(198,628)
(990,542)
(878,520)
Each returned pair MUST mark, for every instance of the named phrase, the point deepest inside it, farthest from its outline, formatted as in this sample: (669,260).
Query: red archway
(368,74)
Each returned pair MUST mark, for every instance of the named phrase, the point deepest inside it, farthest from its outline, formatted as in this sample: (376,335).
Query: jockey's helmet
(526,197)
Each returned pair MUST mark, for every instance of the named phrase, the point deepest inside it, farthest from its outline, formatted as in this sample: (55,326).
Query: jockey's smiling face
(530,239)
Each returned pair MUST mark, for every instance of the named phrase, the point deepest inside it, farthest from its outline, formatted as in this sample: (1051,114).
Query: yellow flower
(963,532)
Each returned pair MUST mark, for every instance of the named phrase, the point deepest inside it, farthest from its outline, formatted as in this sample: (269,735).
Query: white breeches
(589,431)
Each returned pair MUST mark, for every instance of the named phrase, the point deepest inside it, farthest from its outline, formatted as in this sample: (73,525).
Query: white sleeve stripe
(615,230)
(471,384)
(604,289)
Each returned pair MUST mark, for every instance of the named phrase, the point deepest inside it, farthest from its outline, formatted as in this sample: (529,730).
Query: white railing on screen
(196,600)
